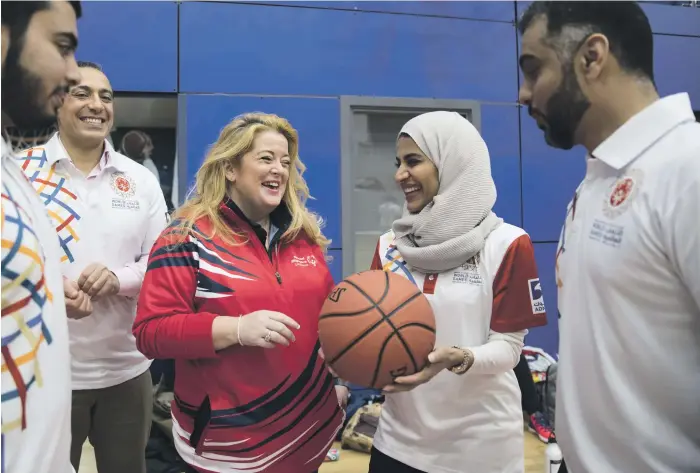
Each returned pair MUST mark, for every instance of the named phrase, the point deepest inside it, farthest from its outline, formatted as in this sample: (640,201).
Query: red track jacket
(243,408)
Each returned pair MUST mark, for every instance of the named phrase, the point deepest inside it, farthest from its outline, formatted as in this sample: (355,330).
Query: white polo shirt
(36,396)
(628,393)
(112,217)
(470,423)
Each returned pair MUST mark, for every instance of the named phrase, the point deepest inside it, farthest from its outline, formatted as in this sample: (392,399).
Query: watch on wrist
(341,382)
(466,363)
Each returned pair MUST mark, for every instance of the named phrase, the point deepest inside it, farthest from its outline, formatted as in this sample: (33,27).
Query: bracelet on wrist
(466,363)
(238,330)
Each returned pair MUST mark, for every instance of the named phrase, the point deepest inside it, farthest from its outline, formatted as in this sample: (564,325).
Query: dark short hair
(134,142)
(17,14)
(624,24)
(91,65)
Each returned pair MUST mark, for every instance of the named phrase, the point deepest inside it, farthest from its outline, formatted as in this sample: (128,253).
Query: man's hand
(438,360)
(78,304)
(97,281)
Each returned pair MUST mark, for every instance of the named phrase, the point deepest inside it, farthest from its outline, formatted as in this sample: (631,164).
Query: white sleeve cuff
(129,281)
(499,354)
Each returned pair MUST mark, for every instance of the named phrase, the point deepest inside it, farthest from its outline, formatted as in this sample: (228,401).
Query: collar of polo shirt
(55,151)
(644,129)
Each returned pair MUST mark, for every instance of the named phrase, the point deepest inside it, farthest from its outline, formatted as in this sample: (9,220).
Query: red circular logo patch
(122,184)
(621,191)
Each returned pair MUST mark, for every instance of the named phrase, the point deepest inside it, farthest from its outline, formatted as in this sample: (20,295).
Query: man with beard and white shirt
(107,211)
(38,65)
(628,262)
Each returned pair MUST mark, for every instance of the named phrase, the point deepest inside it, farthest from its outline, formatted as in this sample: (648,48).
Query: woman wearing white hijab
(462,413)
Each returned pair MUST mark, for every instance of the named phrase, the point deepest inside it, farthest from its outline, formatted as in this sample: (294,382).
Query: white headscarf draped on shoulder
(453,227)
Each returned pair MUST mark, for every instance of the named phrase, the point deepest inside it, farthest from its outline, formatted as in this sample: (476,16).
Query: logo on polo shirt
(468,273)
(536,297)
(622,192)
(125,188)
(122,185)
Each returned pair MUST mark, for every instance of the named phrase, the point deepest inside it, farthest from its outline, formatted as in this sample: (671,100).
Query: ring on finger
(268,336)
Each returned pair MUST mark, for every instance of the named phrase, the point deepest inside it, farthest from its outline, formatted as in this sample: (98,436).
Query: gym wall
(302,60)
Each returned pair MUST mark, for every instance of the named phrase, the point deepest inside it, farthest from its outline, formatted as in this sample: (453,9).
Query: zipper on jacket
(267,249)
(277,264)
(267,244)
(272,258)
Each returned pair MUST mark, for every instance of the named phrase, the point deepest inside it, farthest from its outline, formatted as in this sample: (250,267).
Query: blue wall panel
(546,337)
(318,124)
(135,42)
(499,127)
(670,19)
(305,51)
(549,178)
(677,65)
(499,11)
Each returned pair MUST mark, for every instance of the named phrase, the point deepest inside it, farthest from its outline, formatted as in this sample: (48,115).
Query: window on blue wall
(145,129)
(371,199)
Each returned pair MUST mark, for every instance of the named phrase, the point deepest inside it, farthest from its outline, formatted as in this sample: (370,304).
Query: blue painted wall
(135,42)
(296,58)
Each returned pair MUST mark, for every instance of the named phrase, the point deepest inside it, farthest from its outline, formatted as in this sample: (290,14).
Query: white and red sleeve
(518,302)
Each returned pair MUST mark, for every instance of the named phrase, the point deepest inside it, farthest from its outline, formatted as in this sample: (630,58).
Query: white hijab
(453,227)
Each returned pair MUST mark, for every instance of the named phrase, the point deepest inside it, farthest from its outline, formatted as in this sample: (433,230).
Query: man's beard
(565,109)
(22,95)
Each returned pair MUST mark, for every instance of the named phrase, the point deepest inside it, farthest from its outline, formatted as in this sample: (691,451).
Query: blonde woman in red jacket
(233,291)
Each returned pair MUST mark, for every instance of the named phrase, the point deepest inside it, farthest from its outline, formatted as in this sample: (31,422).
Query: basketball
(376,326)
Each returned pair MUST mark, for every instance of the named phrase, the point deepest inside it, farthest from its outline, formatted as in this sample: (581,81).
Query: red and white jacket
(242,408)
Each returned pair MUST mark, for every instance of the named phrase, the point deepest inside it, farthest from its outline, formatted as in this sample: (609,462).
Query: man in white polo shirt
(107,211)
(628,262)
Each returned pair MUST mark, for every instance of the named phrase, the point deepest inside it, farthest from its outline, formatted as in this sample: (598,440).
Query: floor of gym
(355,462)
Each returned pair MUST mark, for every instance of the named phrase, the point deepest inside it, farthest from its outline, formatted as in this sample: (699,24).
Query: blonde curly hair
(211,186)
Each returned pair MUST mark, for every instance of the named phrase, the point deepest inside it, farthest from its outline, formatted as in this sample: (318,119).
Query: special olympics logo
(123,185)
(621,191)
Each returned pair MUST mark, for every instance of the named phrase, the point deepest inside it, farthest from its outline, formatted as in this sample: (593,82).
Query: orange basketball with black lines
(375,326)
